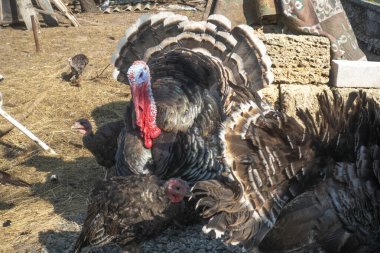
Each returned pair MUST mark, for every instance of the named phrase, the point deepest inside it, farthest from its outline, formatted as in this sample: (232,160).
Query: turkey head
(176,189)
(83,126)
(145,106)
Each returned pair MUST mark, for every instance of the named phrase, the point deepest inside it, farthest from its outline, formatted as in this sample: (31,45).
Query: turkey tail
(341,126)
(6,178)
(269,155)
(234,56)
(311,218)
(93,231)
(229,211)
(80,243)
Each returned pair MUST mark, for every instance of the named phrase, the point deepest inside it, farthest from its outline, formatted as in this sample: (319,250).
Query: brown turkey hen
(128,210)
(299,189)
(77,64)
(183,76)
(103,143)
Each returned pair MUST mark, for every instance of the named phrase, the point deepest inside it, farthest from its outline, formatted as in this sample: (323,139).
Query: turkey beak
(76,126)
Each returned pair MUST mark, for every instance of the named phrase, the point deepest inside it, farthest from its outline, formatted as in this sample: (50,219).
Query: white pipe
(24,129)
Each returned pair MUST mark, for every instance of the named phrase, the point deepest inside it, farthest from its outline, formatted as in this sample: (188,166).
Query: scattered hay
(47,209)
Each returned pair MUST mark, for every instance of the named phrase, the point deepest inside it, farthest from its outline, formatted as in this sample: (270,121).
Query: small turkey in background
(77,64)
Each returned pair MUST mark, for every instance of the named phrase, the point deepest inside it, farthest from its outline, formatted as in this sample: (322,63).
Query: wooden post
(35,33)
(207,10)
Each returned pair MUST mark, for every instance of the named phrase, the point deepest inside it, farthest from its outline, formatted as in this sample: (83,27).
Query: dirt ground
(48,211)
(45,217)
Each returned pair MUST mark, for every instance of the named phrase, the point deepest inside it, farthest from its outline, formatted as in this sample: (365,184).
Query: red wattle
(155,132)
(148,143)
(145,118)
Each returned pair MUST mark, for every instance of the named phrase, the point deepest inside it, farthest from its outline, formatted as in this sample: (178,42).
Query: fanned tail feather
(235,56)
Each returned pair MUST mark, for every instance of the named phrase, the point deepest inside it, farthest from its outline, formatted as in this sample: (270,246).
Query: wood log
(88,6)
(207,11)
(298,59)
(27,10)
(238,11)
(49,19)
(62,7)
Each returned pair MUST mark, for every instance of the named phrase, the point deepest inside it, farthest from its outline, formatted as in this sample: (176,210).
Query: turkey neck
(145,109)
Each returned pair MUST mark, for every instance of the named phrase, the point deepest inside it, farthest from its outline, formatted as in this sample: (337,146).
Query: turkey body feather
(128,210)
(294,188)
(103,144)
(193,69)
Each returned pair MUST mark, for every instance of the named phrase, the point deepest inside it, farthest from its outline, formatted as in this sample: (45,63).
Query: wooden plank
(62,7)
(238,11)
(8,12)
(207,11)
(50,20)
(27,10)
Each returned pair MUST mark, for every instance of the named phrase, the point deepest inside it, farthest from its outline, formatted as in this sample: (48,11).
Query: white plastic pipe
(24,129)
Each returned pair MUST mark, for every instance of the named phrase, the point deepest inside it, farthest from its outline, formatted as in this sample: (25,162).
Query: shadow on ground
(109,112)
(60,242)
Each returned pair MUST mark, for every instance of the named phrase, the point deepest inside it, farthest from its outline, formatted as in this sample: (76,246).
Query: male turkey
(299,189)
(103,143)
(183,77)
(128,210)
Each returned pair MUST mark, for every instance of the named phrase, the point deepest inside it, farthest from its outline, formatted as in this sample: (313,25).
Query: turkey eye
(141,74)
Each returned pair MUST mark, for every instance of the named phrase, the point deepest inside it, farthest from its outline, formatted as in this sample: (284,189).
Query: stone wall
(298,59)
(301,66)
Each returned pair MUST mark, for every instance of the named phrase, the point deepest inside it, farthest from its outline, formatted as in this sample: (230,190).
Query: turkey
(77,64)
(102,144)
(293,188)
(128,210)
(183,77)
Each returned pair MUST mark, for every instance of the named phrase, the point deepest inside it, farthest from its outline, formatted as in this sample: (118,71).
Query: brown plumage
(183,76)
(293,188)
(103,143)
(128,210)
(77,64)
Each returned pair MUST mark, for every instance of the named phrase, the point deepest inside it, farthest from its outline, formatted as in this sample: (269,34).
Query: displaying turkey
(128,210)
(77,64)
(183,76)
(293,188)
(102,144)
